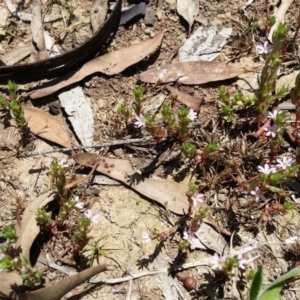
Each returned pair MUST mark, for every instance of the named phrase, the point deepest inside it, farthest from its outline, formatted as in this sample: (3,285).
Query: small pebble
(149,18)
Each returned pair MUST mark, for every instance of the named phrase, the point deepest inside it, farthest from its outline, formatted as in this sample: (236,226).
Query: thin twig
(114,143)
(128,296)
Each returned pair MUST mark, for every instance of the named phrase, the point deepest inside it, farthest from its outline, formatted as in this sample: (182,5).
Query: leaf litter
(198,72)
(124,168)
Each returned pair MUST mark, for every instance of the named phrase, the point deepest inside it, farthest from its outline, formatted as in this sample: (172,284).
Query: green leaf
(256,284)
(273,291)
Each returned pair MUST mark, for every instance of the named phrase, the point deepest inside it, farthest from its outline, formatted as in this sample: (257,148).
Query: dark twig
(113,143)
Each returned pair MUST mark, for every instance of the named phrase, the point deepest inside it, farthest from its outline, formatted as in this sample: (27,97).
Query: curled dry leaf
(10,285)
(38,49)
(58,289)
(98,13)
(192,72)
(28,230)
(284,6)
(188,9)
(109,64)
(171,195)
(15,55)
(186,99)
(46,126)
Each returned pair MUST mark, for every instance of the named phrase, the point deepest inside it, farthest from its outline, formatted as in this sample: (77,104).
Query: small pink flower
(265,48)
(273,115)
(94,218)
(140,121)
(62,163)
(192,115)
(266,169)
(242,262)
(197,198)
(188,236)
(272,130)
(146,237)
(284,162)
(216,262)
(258,194)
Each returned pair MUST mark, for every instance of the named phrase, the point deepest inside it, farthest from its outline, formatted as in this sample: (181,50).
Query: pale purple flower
(258,194)
(284,162)
(242,262)
(197,198)
(264,49)
(146,237)
(78,204)
(140,121)
(272,130)
(62,163)
(273,115)
(94,218)
(185,235)
(278,72)
(266,169)
(192,115)
(216,262)
(188,236)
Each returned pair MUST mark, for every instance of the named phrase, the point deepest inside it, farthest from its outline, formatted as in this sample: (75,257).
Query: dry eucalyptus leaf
(171,195)
(46,126)
(98,13)
(10,283)
(188,9)
(283,8)
(38,49)
(186,99)
(29,229)
(109,64)
(58,289)
(192,72)
(15,55)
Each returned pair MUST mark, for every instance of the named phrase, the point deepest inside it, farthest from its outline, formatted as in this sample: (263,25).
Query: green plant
(266,94)
(11,102)
(274,289)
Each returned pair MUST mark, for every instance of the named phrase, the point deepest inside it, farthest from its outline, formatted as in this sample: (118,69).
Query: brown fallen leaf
(98,13)
(191,72)
(186,99)
(38,48)
(15,55)
(58,289)
(171,195)
(10,285)
(109,64)
(11,282)
(28,229)
(280,14)
(46,126)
